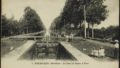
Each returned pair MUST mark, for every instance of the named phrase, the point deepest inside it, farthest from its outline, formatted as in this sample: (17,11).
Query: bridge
(24,35)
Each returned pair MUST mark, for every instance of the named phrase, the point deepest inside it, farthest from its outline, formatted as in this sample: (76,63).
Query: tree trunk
(88,30)
(84,21)
(92,31)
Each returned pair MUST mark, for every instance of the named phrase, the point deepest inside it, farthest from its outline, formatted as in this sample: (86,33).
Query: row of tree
(76,12)
(110,33)
(30,22)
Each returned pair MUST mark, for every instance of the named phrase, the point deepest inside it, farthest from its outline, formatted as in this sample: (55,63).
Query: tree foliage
(96,11)
(30,22)
(112,32)
(56,23)
(4,23)
(9,26)
(73,12)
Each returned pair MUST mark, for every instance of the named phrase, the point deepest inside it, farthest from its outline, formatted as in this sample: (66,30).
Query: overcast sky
(48,10)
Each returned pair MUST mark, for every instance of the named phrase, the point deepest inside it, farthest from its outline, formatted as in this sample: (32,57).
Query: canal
(47,50)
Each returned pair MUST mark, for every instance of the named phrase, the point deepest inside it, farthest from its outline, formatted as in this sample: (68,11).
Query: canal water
(47,50)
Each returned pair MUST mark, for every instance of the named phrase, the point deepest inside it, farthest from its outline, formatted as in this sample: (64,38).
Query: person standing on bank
(116,50)
(101,52)
(93,52)
(71,36)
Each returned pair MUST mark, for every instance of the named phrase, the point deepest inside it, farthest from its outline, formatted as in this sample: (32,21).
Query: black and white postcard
(60,34)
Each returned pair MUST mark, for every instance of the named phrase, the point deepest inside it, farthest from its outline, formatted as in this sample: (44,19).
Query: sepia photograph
(60,34)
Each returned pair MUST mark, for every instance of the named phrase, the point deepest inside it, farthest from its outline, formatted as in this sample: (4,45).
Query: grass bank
(9,45)
(86,47)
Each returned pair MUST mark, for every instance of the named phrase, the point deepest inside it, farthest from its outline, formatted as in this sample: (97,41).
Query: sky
(48,10)
(113,18)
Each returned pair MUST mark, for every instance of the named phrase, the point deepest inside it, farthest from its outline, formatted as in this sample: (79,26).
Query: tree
(4,29)
(78,11)
(96,12)
(32,21)
(71,15)
(112,32)
(9,26)
(100,33)
(56,24)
